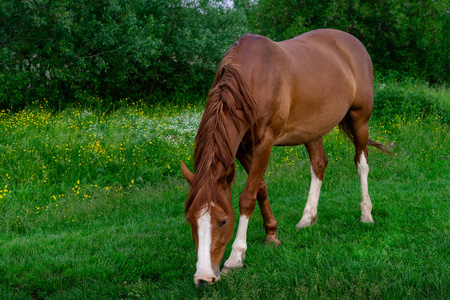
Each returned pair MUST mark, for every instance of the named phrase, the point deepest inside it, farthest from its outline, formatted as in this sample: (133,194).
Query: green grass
(91,207)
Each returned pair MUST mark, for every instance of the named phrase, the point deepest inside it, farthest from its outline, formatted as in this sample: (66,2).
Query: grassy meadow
(92,207)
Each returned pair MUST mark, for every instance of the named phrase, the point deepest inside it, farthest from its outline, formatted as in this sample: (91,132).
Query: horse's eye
(222,223)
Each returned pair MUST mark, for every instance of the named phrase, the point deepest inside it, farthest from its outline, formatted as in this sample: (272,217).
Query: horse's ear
(187,174)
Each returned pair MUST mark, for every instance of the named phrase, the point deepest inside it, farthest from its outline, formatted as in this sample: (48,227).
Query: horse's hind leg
(318,161)
(361,137)
(366,204)
(360,134)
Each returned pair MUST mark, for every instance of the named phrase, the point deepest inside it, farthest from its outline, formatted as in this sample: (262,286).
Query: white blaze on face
(204,268)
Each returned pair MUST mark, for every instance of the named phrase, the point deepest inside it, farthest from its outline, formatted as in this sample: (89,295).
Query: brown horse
(269,93)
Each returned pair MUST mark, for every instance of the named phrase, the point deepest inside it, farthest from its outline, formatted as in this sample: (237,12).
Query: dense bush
(77,51)
(408,36)
(73,50)
(410,99)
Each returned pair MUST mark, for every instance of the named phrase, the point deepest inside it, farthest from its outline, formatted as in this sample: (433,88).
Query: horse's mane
(228,95)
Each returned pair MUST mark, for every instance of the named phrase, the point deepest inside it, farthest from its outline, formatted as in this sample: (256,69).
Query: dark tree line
(74,51)
(410,36)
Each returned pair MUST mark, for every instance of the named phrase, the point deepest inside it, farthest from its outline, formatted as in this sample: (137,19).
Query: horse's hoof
(306,223)
(225,271)
(272,240)
(367,219)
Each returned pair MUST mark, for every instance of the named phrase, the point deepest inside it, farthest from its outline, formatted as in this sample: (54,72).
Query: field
(91,207)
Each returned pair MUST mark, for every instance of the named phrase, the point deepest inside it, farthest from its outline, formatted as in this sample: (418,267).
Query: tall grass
(410,98)
(47,157)
(91,206)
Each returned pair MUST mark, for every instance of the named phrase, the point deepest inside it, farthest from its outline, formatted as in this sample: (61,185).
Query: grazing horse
(268,94)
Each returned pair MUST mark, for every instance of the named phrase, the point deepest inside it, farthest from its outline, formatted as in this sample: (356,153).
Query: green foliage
(72,52)
(409,36)
(409,98)
(65,51)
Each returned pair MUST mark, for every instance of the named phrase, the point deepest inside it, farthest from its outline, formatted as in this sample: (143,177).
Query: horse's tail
(346,128)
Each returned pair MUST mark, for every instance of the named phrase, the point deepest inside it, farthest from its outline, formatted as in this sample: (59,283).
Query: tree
(76,50)
(409,36)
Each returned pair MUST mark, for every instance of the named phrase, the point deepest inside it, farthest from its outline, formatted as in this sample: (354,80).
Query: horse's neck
(235,134)
(216,166)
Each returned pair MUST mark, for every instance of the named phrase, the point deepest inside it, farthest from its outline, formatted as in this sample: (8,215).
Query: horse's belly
(299,137)
(292,139)
(301,131)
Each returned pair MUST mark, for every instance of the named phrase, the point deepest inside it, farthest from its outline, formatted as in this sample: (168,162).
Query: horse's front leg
(247,201)
(269,221)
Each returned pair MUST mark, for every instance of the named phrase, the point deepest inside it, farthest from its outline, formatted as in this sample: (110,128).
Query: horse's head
(211,215)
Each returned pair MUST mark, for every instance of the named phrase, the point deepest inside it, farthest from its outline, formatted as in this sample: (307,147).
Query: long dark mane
(228,95)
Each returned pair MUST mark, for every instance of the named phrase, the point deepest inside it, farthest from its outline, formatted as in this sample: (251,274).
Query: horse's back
(306,85)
